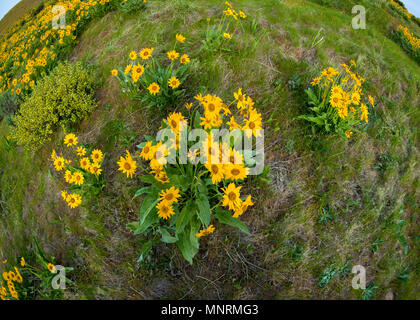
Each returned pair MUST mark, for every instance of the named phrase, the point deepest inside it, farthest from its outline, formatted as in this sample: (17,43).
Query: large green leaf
(148,204)
(203,206)
(186,246)
(226,218)
(185,216)
(142,191)
(141,227)
(166,236)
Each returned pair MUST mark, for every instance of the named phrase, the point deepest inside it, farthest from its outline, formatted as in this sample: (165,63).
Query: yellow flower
(22,262)
(114,72)
(355,98)
(96,156)
(59,163)
(147,152)
(185,59)
(70,140)
(364,115)
(81,151)
(253,125)
(227,35)
(128,69)
(95,169)
(133,55)
(51,267)
(176,121)
(316,81)
(241,98)
(64,195)
(233,124)
(174,82)
(154,88)
(205,232)
(165,210)
(180,38)
(239,211)
(242,14)
(127,165)
(371,101)
(216,171)
(236,172)
(78,178)
(232,197)
(188,106)
(85,163)
(74,200)
(53,155)
(173,55)
(146,53)
(136,72)
(68,176)
(335,100)
(349,134)
(169,195)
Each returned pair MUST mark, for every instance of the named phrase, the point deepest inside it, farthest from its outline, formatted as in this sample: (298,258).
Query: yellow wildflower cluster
(401,9)
(11,277)
(76,175)
(30,48)
(343,92)
(410,37)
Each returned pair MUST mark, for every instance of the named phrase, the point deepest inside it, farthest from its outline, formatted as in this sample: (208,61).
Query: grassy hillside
(16,13)
(331,203)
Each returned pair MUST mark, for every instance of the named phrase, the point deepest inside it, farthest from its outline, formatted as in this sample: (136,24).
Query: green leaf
(185,216)
(203,206)
(145,249)
(142,191)
(166,236)
(186,246)
(226,218)
(148,204)
(139,228)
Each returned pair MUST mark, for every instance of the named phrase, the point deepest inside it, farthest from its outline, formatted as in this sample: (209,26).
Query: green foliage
(130,6)
(62,98)
(399,37)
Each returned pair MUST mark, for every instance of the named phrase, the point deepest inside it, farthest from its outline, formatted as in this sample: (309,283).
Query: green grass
(330,202)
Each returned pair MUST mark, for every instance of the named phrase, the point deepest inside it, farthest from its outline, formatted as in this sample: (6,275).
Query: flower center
(235,172)
(214,169)
(232,196)
(169,196)
(127,166)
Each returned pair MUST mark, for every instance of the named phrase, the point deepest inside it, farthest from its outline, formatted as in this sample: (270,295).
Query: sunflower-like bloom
(97,156)
(232,197)
(180,38)
(205,232)
(185,59)
(165,210)
(177,122)
(147,151)
(127,165)
(85,163)
(51,267)
(74,200)
(70,140)
(173,55)
(235,171)
(216,171)
(78,178)
(169,195)
(154,88)
(245,204)
(146,53)
(68,176)
(95,168)
(114,72)
(174,82)
(133,55)
(81,151)
(59,163)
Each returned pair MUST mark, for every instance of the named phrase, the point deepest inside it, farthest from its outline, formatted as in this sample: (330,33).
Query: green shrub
(62,98)
(130,6)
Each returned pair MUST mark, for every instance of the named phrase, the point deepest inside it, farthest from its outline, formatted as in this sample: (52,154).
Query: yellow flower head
(114,72)
(174,82)
(232,197)
(59,163)
(96,156)
(205,232)
(51,267)
(78,178)
(70,140)
(133,55)
(146,53)
(74,200)
(165,210)
(180,38)
(154,88)
(22,262)
(68,176)
(173,55)
(85,163)
(169,195)
(81,151)
(127,165)
(185,59)
(227,35)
